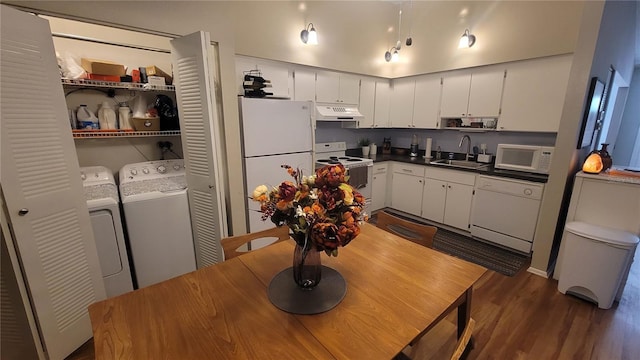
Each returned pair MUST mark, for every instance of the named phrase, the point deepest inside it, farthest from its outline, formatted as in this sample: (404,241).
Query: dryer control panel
(158,169)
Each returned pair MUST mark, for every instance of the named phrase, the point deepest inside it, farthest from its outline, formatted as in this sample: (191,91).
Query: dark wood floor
(525,317)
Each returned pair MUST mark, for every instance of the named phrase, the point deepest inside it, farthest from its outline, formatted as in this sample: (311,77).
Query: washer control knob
(528,192)
(134,172)
(162,169)
(176,167)
(145,170)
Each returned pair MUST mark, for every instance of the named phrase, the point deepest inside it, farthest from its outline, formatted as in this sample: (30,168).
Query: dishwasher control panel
(521,188)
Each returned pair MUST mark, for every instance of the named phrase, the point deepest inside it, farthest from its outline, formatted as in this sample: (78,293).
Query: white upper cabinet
(401,102)
(304,82)
(475,93)
(534,94)
(485,94)
(277,73)
(381,108)
(426,107)
(455,95)
(367,102)
(332,87)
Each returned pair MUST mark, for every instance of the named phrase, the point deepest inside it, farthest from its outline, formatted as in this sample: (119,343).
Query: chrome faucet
(467,156)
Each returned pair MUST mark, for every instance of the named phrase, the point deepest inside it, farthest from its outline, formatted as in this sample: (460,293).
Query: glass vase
(607,161)
(307,268)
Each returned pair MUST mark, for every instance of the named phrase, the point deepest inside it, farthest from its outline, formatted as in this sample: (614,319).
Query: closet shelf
(87,134)
(117,85)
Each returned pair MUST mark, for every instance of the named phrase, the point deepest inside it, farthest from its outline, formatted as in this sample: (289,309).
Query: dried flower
(322,207)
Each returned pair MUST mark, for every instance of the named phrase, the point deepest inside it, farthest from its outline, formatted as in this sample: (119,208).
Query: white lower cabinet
(406,188)
(379,187)
(447,197)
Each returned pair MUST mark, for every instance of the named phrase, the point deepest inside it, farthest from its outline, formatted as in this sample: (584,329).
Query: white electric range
(360,170)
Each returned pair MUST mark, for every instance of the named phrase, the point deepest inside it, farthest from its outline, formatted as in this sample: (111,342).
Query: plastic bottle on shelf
(107,117)
(86,118)
(124,112)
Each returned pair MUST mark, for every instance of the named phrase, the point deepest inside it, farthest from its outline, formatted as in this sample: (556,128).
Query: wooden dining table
(396,292)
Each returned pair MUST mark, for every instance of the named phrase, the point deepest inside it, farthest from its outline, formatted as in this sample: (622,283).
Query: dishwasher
(505,211)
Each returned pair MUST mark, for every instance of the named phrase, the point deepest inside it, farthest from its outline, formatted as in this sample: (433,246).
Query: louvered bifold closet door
(195,92)
(41,183)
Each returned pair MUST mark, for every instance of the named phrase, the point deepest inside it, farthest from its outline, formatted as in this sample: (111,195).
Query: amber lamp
(593,164)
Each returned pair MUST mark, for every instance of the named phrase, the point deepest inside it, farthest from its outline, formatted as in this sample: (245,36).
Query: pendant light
(393,54)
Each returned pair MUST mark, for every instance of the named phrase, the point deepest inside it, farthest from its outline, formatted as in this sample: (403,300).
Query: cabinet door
(279,77)
(42,191)
(367,102)
(197,109)
(304,85)
(455,95)
(349,89)
(327,87)
(426,107)
(406,193)
(458,205)
(485,93)
(379,189)
(534,93)
(401,103)
(433,199)
(381,112)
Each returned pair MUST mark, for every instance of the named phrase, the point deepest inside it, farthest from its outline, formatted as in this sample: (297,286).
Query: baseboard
(538,272)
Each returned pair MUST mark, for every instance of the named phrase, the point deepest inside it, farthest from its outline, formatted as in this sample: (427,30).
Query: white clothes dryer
(101,193)
(156,212)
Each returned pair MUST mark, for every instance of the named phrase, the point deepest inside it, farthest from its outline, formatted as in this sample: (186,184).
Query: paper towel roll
(427,148)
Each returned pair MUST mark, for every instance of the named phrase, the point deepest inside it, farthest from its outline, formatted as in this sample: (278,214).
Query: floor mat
(492,257)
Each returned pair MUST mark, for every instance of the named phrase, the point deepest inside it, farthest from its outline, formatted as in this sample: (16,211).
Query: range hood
(332,112)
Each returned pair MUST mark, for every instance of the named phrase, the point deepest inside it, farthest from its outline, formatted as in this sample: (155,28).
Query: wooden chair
(231,245)
(417,233)
(439,343)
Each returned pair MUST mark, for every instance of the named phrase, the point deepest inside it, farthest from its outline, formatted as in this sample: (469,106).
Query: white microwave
(529,158)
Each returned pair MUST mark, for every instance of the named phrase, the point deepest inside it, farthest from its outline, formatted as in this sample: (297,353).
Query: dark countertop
(490,170)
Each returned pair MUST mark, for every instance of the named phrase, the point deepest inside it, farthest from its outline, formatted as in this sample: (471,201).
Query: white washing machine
(101,193)
(156,212)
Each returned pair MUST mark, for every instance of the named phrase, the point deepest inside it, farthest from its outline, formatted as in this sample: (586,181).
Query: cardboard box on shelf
(146,123)
(156,80)
(153,70)
(102,67)
(113,78)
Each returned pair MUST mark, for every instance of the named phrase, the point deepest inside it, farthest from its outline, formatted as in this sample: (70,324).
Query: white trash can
(595,262)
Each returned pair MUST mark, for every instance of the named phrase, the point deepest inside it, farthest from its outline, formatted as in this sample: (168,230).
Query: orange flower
(323,206)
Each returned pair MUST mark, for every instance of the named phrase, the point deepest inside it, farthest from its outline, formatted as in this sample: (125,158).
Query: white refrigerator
(274,133)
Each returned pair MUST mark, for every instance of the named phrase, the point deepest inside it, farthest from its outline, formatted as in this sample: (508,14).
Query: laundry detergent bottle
(87,120)
(107,117)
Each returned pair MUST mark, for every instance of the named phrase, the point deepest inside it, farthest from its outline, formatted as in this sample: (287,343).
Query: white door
(196,93)
(42,189)
(272,126)
(267,170)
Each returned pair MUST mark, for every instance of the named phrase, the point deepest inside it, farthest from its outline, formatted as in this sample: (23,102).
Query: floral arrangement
(322,210)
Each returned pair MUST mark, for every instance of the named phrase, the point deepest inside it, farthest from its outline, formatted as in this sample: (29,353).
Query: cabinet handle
(449,186)
(23,211)
(407,170)
(442,185)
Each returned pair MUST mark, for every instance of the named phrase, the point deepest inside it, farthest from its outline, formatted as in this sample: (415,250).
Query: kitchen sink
(459,164)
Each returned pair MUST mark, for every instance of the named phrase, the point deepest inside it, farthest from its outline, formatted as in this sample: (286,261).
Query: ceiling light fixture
(392,54)
(466,40)
(309,35)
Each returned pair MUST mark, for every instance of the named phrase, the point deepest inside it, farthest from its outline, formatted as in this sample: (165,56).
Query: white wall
(630,126)
(604,40)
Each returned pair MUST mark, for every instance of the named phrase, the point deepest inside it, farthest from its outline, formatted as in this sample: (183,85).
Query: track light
(309,35)
(392,55)
(466,40)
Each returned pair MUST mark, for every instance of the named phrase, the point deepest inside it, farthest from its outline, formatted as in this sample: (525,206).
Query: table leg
(464,311)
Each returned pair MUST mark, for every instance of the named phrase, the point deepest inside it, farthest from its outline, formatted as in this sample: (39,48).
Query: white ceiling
(354,34)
